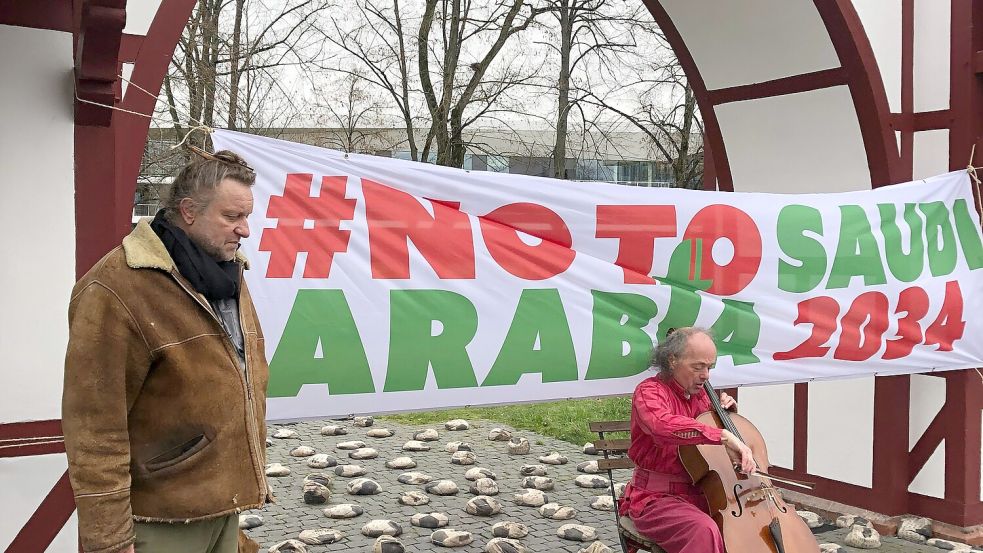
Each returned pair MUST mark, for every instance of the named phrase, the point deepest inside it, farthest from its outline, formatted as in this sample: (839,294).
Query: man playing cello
(661,499)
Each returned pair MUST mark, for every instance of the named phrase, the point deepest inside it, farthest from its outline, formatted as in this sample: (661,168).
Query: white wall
(37,221)
(882,23)
(772,410)
(139,16)
(841,430)
(927,399)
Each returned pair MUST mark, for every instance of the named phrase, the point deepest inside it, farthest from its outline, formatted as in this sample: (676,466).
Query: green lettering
(414,349)
(793,221)
(939,237)
(736,331)
(538,341)
(905,267)
(619,346)
(968,230)
(857,253)
(320,317)
(683,280)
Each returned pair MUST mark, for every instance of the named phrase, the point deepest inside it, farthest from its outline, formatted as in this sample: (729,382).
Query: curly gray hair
(674,346)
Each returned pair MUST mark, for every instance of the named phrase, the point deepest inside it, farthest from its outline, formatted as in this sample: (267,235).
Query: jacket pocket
(177,454)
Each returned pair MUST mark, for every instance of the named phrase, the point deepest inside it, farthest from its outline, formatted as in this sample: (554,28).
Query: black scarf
(217,280)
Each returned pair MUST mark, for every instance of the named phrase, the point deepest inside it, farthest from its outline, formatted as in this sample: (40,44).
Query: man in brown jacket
(165,376)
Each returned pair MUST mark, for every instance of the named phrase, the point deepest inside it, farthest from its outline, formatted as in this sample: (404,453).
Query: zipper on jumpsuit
(251,415)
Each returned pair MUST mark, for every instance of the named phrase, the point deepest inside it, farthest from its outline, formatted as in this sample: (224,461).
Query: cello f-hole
(737,497)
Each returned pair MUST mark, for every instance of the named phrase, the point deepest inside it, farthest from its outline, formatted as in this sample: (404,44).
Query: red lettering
(723,221)
(913,302)
(870,311)
(949,325)
(821,312)
(549,258)
(321,240)
(636,227)
(396,218)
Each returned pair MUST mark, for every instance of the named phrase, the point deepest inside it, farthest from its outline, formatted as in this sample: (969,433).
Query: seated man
(661,499)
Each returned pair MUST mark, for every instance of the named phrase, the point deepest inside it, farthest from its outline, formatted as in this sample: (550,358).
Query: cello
(748,508)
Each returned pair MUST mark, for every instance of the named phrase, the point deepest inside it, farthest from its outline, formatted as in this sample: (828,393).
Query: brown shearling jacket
(161,421)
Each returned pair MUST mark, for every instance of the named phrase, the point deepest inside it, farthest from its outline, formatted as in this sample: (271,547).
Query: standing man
(165,377)
(661,499)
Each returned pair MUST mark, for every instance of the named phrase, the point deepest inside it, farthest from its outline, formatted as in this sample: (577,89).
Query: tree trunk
(680,165)
(234,67)
(566,17)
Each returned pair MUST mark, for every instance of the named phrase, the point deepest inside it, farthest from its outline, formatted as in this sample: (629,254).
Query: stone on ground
(414,498)
(414,478)
(503,545)
(350,471)
(430,520)
(577,532)
(811,519)
(289,546)
(557,512)
(484,486)
(602,503)
(483,506)
(321,536)
(388,544)
(510,529)
(277,470)
(442,487)
(401,463)
(250,521)
(531,498)
(322,461)
(479,472)
(457,424)
(364,486)
(862,537)
(518,446)
(381,527)
(451,538)
(499,435)
(343,510)
(333,430)
(363,421)
(915,529)
(302,451)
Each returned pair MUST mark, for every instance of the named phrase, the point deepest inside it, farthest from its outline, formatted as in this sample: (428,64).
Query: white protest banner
(386,285)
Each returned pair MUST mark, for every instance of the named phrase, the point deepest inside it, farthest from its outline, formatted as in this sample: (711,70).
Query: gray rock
(862,537)
(379,433)
(321,536)
(302,451)
(333,430)
(250,521)
(589,467)
(322,461)
(518,446)
(454,447)
(363,422)
(464,458)
(596,547)
(532,470)
(589,449)
(414,478)
(269,442)
(510,529)
(414,498)
(591,481)
(811,519)
(531,498)
(484,486)
(947,545)
(483,506)
(430,520)
(556,512)
(457,424)
(479,472)
(553,458)
(619,489)
(538,483)
(352,445)
(847,521)
(350,471)
(602,503)
(388,544)
(915,529)
(364,486)
(442,487)
(364,453)
(320,478)
(316,493)
(289,546)
(499,435)
(381,527)
(831,548)
(427,435)
(344,510)
(401,463)
(415,445)
(451,538)
(503,545)
(577,532)
(276,470)
(286,434)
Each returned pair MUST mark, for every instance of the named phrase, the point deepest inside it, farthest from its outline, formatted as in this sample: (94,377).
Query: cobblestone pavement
(291,515)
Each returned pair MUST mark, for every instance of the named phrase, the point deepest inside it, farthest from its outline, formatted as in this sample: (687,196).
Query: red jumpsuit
(660,499)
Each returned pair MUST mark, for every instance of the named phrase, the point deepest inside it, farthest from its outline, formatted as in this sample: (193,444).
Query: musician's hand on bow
(728,402)
(739,453)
